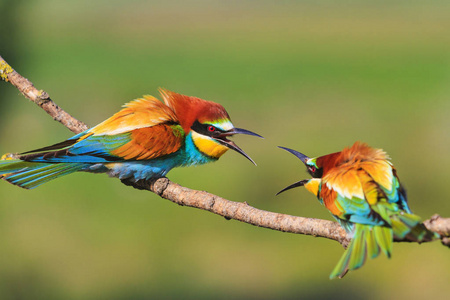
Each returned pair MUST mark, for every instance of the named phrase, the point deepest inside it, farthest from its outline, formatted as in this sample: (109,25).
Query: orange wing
(357,191)
(140,113)
(347,178)
(151,142)
(145,128)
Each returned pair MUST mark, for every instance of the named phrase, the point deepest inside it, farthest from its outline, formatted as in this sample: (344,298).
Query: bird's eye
(211,128)
(313,169)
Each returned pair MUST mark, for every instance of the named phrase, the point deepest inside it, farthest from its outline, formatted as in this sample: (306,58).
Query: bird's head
(207,121)
(314,166)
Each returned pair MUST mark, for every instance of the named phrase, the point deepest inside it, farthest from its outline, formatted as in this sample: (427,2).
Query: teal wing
(83,150)
(139,144)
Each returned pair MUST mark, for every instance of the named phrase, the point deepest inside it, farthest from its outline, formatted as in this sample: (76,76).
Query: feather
(29,175)
(359,250)
(140,113)
(354,256)
(145,139)
(151,142)
(360,187)
(364,244)
(373,250)
(188,109)
(383,238)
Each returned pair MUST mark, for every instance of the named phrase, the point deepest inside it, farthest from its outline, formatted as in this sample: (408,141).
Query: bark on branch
(40,97)
(239,211)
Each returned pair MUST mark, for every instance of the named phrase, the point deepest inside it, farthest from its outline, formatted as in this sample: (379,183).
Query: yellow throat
(208,146)
(313,185)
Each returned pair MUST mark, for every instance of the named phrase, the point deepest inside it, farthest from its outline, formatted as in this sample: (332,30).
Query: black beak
(241,131)
(222,138)
(303,158)
(294,185)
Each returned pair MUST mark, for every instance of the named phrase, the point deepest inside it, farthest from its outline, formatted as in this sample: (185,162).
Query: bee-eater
(361,189)
(146,139)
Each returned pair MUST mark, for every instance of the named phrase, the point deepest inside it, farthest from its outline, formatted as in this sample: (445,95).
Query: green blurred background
(311,75)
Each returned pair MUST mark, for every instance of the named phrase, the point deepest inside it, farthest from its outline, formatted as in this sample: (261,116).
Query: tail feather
(15,165)
(383,236)
(33,178)
(359,252)
(367,241)
(409,220)
(409,227)
(29,175)
(421,234)
(373,250)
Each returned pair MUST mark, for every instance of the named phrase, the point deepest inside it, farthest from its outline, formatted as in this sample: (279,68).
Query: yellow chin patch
(313,185)
(208,146)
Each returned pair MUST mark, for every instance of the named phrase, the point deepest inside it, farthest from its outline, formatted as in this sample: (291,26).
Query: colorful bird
(146,139)
(361,189)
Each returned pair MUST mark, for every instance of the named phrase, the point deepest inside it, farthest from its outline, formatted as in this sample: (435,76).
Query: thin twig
(198,199)
(40,97)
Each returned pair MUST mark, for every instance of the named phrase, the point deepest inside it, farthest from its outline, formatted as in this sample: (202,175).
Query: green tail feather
(408,227)
(384,238)
(372,247)
(29,175)
(367,241)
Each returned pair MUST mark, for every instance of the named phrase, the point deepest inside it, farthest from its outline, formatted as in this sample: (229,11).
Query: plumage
(361,189)
(146,139)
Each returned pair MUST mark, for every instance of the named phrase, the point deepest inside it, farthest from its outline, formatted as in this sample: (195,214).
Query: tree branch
(199,199)
(241,211)
(40,97)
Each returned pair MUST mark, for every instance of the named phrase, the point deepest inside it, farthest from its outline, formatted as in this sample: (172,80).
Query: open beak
(303,158)
(222,139)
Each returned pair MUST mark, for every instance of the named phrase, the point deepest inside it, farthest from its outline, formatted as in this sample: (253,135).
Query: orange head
(320,166)
(207,121)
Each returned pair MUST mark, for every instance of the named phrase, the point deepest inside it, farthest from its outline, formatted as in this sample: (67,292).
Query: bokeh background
(315,76)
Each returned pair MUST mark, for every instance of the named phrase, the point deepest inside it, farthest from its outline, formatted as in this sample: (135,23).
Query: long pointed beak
(294,185)
(301,156)
(230,144)
(240,131)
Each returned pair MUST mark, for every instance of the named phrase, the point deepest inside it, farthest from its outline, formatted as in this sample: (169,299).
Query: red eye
(313,169)
(211,128)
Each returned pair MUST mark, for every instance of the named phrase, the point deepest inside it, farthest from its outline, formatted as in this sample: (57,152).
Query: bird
(144,140)
(361,189)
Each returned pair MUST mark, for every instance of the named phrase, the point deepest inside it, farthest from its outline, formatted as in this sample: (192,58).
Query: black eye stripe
(315,172)
(206,129)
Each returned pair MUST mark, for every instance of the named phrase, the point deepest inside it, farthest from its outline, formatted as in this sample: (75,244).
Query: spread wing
(364,192)
(144,129)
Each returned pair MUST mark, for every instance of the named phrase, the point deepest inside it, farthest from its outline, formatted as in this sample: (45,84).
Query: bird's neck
(208,146)
(313,186)
(198,151)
